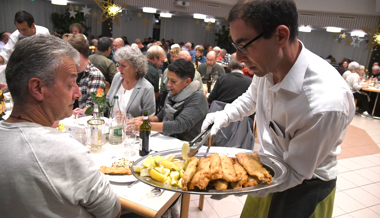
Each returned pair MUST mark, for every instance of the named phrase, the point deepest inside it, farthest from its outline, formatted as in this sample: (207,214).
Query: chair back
(238,134)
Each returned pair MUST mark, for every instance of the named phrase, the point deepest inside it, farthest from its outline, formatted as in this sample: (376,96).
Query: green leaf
(93,96)
(102,101)
(108,105)
(89,110)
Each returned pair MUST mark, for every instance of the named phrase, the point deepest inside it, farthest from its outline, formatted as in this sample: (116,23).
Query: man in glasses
(302,113)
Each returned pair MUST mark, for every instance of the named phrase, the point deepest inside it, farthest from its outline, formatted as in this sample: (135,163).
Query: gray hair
(352,65)
(359,68)
(375,67)
(234,64)
(135,58)
(36,56)
(155,51)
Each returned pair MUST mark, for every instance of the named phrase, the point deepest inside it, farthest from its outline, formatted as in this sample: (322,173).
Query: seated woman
(135,93)
(185,106)
(353,81)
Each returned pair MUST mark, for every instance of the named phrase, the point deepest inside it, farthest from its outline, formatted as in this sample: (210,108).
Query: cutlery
(157,192)
(132,184)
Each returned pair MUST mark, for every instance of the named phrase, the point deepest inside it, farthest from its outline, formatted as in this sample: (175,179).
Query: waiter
(303,108)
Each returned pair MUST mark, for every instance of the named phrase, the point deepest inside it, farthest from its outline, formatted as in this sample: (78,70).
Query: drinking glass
(80,129)
(129,135)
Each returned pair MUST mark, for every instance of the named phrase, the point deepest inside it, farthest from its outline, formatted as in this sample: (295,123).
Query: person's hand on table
(137,122)
(79,111)
(219,119)
(365,85)
(3,86)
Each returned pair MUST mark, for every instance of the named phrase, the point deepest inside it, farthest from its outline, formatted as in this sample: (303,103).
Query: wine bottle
(144,135)
(209,82)
(116,133)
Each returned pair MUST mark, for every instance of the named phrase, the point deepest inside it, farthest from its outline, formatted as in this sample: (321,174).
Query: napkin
(136,193)
(161,143)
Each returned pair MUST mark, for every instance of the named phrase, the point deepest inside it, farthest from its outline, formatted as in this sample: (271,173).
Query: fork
(132,183)
(157,192)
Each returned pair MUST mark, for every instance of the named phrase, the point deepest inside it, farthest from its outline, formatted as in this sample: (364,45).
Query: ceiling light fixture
(212,20)
(199,16)
(149,10)
(332,29)
(166,15)
(358,33)
(59,2)
(306,29)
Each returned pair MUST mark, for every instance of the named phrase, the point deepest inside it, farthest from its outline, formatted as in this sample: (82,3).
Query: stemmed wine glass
(129,141)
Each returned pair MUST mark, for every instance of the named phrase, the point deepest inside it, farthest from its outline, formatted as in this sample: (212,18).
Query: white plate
(121,178)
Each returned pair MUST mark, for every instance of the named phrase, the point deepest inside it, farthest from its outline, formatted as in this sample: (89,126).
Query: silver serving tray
(278,169)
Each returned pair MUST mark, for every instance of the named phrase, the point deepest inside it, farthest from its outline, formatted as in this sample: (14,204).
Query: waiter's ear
(282,34)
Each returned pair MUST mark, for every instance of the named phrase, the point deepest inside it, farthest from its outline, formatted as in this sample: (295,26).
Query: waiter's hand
(219,119)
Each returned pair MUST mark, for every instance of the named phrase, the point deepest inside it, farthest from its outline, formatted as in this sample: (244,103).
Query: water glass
(80,129)
(129,133)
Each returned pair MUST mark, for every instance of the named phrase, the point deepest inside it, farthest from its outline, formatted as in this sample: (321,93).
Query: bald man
(210,68)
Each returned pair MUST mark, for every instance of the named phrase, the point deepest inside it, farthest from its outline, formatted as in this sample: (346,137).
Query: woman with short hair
(135,93)
(185,106)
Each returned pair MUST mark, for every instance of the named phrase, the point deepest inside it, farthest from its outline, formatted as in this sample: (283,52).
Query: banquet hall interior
(355,23)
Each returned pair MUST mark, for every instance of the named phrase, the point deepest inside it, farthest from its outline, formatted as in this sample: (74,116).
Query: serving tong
(198,141)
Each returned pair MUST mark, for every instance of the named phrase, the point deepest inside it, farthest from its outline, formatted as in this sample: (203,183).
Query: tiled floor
(358,184)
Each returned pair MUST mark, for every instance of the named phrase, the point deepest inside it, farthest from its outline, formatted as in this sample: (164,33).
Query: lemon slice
(179,165)
(145,172)
(181,172)
(157,176)
(173,181)
(168,181)
(137,169)
(159,169)
(185,150)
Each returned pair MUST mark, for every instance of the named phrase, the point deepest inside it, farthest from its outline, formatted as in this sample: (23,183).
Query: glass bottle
(95,125)
(144,135)
(116,127)
(2,105)
(209,83)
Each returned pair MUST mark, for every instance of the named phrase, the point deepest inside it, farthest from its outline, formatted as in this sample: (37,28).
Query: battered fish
(202,177)
(241,175)
(220,184)
(252,181)
(189,172)
(216,167)
(254,167)
(229,173)
(115,170)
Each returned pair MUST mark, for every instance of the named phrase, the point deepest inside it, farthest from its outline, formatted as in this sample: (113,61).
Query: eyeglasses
(241,48)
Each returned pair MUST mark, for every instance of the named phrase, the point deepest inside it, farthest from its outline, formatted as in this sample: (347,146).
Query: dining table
(138,198)
(373,89)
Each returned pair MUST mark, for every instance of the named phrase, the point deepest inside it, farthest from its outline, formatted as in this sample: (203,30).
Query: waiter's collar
(293,80)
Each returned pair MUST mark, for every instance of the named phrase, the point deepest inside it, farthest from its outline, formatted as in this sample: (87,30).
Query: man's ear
(282,33)
(36,89)
(188,81)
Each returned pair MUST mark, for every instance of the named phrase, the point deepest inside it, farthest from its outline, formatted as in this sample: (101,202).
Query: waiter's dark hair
(104,43)
(182,68)
(23,16)
(266,15)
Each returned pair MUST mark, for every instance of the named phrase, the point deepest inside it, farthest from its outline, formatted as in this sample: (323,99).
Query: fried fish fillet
(216,167)
(241,175)
(251,181)
(189,172)
(220,184)
(229,173)
(115,170)
(201,178)
(254,167)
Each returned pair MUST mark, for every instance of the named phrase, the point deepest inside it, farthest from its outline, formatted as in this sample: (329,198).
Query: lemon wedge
(159,169)
(167,164)
(173,181)
(185,150)
(170,157)
(179,165)
(147,161)
(166,172)
(145,172)
(179,183)
(174,175)
(168,181)
(158,159)
(157,176)
(181,172)
(137,169)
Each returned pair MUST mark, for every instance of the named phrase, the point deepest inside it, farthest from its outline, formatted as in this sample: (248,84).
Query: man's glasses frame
(241,48)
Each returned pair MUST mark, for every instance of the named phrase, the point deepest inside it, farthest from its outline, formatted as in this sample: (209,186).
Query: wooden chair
(107,87)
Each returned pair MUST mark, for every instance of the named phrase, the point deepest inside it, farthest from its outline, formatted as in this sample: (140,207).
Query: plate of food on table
(225,170)
(119,171)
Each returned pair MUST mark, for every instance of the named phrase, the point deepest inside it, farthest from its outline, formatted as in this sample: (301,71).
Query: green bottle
(115,134)
(144,135)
